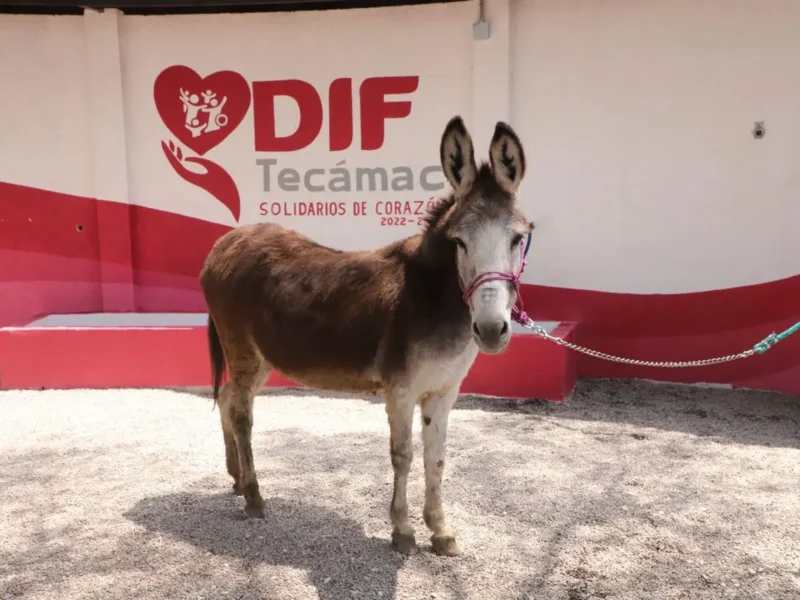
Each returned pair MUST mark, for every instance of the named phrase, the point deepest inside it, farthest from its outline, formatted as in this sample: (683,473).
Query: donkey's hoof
(445,545)
(237,491)
(255,511)
(404,543)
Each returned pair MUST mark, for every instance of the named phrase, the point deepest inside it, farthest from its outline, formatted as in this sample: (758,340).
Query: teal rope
(773,338)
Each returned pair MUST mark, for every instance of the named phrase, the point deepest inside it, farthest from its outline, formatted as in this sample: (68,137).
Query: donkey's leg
(400,408)
(231,454)
(247,377)
(435,415)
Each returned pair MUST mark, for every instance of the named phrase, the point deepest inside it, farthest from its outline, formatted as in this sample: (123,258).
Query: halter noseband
(517,311)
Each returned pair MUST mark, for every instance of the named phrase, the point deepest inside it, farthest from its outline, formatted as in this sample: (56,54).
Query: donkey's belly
(323,358)
(336,381)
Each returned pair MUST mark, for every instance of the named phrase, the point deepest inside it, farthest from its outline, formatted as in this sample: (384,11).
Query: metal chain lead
(539,330)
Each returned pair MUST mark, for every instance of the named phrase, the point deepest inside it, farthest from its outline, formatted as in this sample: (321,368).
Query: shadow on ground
(735,416)
(54,539)
(333,550)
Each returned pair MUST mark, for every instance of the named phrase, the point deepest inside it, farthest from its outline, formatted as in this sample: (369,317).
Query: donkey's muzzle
(491,336)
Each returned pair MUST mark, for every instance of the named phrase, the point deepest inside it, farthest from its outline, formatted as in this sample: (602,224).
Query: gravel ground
(629,490)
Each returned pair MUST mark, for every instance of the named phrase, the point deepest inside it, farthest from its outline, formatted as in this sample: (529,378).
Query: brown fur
(348,321)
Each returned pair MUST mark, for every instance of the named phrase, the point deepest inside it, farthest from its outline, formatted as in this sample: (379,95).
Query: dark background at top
(160,7)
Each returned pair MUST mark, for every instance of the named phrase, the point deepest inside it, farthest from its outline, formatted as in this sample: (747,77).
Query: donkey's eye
(515,241)
(460,243)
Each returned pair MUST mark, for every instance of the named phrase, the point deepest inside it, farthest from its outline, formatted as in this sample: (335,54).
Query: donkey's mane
(437,212)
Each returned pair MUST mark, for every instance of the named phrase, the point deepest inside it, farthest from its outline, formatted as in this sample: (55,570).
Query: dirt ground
(629,490)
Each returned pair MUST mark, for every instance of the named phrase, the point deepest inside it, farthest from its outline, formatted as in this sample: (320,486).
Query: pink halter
(518,310)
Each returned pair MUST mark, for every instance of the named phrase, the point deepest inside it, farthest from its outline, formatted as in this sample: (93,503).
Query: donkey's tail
(217,357)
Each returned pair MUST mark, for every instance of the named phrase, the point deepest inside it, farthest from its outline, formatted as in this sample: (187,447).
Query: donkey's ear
(457,156)
(507,157)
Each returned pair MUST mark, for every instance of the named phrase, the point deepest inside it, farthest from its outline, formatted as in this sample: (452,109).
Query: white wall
(44,121)
(636,116)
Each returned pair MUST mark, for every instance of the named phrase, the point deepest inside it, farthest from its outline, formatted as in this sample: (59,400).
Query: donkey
(407,319)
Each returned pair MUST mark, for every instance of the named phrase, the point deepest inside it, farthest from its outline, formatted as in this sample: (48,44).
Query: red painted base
(37,357)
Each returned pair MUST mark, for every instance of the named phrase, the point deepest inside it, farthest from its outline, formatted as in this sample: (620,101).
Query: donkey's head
(485,226)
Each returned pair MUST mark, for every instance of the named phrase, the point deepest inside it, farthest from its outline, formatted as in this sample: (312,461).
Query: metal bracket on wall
(758,130)
(480,29)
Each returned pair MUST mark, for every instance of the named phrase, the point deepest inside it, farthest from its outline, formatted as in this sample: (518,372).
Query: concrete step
(143,350)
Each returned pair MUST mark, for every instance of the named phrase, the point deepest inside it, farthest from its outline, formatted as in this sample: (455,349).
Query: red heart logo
(200,112)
